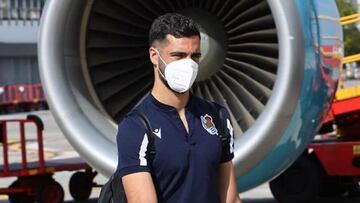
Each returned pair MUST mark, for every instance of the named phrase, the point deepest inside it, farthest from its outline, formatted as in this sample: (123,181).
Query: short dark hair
(174,24)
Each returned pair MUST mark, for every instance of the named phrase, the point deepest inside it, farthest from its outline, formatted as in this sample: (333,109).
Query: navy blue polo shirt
(185,168)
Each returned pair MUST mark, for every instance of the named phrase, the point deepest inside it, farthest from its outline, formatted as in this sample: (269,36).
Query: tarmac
(57,147)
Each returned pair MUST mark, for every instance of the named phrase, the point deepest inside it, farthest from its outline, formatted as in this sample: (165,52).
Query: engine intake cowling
(263,60)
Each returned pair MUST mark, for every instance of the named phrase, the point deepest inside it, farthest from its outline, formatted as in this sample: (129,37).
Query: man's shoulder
(207,104)
(143,104)
(131,124)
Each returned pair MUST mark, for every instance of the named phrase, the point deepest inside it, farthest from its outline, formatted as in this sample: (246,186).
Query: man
(191,164)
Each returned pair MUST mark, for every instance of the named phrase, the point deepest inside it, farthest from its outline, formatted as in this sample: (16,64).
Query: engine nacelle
(273,64)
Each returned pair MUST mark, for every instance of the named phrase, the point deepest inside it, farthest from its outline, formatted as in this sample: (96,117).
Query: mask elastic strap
(162,75)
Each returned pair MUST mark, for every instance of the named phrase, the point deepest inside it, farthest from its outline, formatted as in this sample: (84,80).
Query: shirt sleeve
(132,143)
(228,150)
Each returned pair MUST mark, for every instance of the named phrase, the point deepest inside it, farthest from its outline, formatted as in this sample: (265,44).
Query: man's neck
(168,97)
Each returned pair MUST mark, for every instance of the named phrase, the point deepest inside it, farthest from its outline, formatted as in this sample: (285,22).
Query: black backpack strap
(218,120)
(106,192)
(150,151)
(117,189)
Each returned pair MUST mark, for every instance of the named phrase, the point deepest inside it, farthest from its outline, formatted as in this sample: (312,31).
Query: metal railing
(21,10)
(355,18)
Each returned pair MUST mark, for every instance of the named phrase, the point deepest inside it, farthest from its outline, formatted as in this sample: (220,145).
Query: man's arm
(139,188)
(227,185)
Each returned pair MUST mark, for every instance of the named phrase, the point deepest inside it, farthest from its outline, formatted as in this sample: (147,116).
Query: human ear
(154,57)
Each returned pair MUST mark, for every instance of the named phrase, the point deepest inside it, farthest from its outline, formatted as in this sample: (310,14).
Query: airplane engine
(273,63)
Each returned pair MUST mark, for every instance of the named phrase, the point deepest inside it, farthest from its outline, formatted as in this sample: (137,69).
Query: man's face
(173,49)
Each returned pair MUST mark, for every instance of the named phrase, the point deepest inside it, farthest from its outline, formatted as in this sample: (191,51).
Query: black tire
(299,183)
(19,197)
(330,187)
(50,192)
(354,190)
(80,186)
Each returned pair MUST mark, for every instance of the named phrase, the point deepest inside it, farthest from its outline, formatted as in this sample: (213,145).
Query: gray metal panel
(28,49)
(19,70)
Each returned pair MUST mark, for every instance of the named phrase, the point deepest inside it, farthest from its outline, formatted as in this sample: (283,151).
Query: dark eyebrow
(179,53)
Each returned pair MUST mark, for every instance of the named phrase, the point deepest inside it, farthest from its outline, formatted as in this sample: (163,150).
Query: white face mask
(181,74)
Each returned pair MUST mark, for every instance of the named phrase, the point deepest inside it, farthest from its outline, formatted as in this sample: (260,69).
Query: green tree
(351,32)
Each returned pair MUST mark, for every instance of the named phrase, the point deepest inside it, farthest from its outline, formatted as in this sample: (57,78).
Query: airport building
(19,25)
(19,72)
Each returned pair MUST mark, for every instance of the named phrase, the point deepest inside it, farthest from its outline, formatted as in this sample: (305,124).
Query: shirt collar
(166,107)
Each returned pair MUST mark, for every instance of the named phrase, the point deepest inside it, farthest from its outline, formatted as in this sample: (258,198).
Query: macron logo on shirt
(157,132)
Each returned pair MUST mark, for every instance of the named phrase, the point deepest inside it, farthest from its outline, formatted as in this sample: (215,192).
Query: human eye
(178,55)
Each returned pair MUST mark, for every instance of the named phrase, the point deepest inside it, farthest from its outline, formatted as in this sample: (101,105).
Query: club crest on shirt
(208,124)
